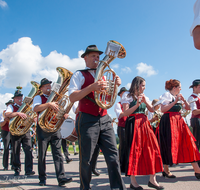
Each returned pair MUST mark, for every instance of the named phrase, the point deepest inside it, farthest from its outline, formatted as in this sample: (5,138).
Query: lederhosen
(54,139)
(195,123)
(25,140)
(121,135)
(5,133)
(94,127)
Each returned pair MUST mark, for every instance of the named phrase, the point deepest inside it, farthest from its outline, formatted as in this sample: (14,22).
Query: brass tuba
(49,120)
(106,97)
(19,126)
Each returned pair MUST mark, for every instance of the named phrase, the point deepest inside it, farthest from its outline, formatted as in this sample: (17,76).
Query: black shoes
(69,160)
(16,173)
(75,153)
(64,181)
(168,176)
(30,173)
(5,169)
(155,186)
(197,175)
(42,182)
(136,188)
(95,172)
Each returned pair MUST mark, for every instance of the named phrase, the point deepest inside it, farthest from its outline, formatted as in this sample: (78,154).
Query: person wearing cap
(44,139)
(194,101)
(121,126)
(25,140)
(93,124)
(177,143)
(195,28)
(5,133)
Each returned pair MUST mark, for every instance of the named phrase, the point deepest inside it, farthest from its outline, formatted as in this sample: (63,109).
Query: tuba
(106,97)
(49,120)
(19,126)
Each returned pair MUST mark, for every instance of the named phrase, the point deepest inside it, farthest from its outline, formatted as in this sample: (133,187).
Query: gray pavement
(184,172)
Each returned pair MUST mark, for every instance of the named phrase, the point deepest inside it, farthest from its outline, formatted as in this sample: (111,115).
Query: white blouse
(128,99)
(167,97)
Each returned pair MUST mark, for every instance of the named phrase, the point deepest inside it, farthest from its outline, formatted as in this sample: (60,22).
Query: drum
(68,130)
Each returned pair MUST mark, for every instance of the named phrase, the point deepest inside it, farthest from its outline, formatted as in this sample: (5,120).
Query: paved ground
(184,172)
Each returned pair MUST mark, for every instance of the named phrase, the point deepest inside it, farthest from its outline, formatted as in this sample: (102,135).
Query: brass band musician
(6,137)
(24,139)
(44,139)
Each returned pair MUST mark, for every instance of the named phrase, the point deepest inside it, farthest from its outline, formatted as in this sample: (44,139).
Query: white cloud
(126,70)
(3,4)
(128,86)
(3,99)
(22,62)
(145,69)
(115,66)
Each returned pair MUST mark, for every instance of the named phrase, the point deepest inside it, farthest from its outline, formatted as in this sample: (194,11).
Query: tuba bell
(106,98)
(49,120)
(19,126)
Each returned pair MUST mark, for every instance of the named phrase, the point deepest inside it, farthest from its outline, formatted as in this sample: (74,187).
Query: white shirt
(38,100)
(196,20)
(75,106)
(150,115)
(10,107)
(1,117)
(117,109)
(77,80)
(193,105)
(127,99)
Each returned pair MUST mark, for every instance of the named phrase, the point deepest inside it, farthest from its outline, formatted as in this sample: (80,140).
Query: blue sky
(38,36)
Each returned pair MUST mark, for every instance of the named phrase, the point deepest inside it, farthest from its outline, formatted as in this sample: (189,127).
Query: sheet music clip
(112,49)
(55,87)
(27,100)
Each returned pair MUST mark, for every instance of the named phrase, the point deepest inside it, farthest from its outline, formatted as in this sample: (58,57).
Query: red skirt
(144,154)
(181,142)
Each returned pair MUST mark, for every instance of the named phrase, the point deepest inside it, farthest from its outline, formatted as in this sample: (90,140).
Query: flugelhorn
(19,126)
(106,98)
(49,120)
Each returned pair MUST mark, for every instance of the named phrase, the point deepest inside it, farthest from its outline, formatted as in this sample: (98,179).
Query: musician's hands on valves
(54,106)
(22,115)
(100,85)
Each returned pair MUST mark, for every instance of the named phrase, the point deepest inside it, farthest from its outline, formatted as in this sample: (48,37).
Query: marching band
(149,142)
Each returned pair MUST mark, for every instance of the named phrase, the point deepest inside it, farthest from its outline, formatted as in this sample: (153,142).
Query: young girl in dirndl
(142,149)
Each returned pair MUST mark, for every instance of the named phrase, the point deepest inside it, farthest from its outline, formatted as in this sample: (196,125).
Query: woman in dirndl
(177,144)
(142,149)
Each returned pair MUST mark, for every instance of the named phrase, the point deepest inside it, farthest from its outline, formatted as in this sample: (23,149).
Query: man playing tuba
(44,138)
(6,136)
(93,124)
(24,139)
